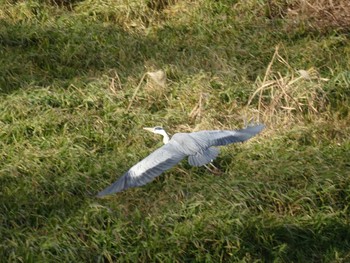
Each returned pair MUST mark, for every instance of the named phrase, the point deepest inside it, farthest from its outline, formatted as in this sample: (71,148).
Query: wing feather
(223,137)
(203,157)
(146,170)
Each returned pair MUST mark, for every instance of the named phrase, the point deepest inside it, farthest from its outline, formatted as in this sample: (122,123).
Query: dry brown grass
(295,95)
(321,14)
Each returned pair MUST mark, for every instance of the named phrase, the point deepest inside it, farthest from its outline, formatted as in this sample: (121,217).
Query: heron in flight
(200,147)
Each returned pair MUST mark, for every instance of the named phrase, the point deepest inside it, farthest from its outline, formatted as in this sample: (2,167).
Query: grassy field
(77,85)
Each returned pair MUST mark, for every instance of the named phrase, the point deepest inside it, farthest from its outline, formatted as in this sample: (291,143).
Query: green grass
(67,76)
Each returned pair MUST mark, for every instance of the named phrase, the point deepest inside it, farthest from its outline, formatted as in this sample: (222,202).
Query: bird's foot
(213,169)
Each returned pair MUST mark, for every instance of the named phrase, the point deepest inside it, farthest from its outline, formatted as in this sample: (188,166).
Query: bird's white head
(159,130)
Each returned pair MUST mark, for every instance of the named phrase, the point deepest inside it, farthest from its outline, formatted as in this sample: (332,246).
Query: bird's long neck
(165,137)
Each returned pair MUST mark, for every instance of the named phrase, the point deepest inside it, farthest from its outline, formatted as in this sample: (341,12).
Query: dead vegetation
(293,95)
(320,15)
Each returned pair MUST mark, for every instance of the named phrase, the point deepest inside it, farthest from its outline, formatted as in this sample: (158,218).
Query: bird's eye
(158,128)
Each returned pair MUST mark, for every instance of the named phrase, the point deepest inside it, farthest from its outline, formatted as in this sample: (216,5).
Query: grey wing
(146,170)
(203,157)
(218,138)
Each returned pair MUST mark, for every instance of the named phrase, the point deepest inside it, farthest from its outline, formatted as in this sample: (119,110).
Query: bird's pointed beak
(148,129)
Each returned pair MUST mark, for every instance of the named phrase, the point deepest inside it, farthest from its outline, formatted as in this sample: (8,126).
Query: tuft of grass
(78,81)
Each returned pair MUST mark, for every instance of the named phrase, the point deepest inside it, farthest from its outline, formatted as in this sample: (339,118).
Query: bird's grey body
(200,147)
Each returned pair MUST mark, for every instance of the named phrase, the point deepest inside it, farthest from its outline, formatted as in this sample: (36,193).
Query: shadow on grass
(71,48)
(40,56)
(66,52)
(315,241)
(41,205)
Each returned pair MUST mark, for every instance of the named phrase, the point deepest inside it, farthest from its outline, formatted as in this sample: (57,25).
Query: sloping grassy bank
(71,123)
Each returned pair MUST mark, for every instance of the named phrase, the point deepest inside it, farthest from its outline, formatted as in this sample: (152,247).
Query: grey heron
(200,147)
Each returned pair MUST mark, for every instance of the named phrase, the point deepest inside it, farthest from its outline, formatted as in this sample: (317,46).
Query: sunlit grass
(76,90)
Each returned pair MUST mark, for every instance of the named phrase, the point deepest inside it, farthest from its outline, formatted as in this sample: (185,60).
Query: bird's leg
(214,169)
(213,166)
(207,168)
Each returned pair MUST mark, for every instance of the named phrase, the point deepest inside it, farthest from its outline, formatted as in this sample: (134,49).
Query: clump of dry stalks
(157,84)
(290,97)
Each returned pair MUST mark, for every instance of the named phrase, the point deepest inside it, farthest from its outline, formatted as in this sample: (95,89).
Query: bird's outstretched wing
(146,170)
(218,138)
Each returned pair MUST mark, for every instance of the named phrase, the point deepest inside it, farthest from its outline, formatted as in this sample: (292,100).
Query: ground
(79,80)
